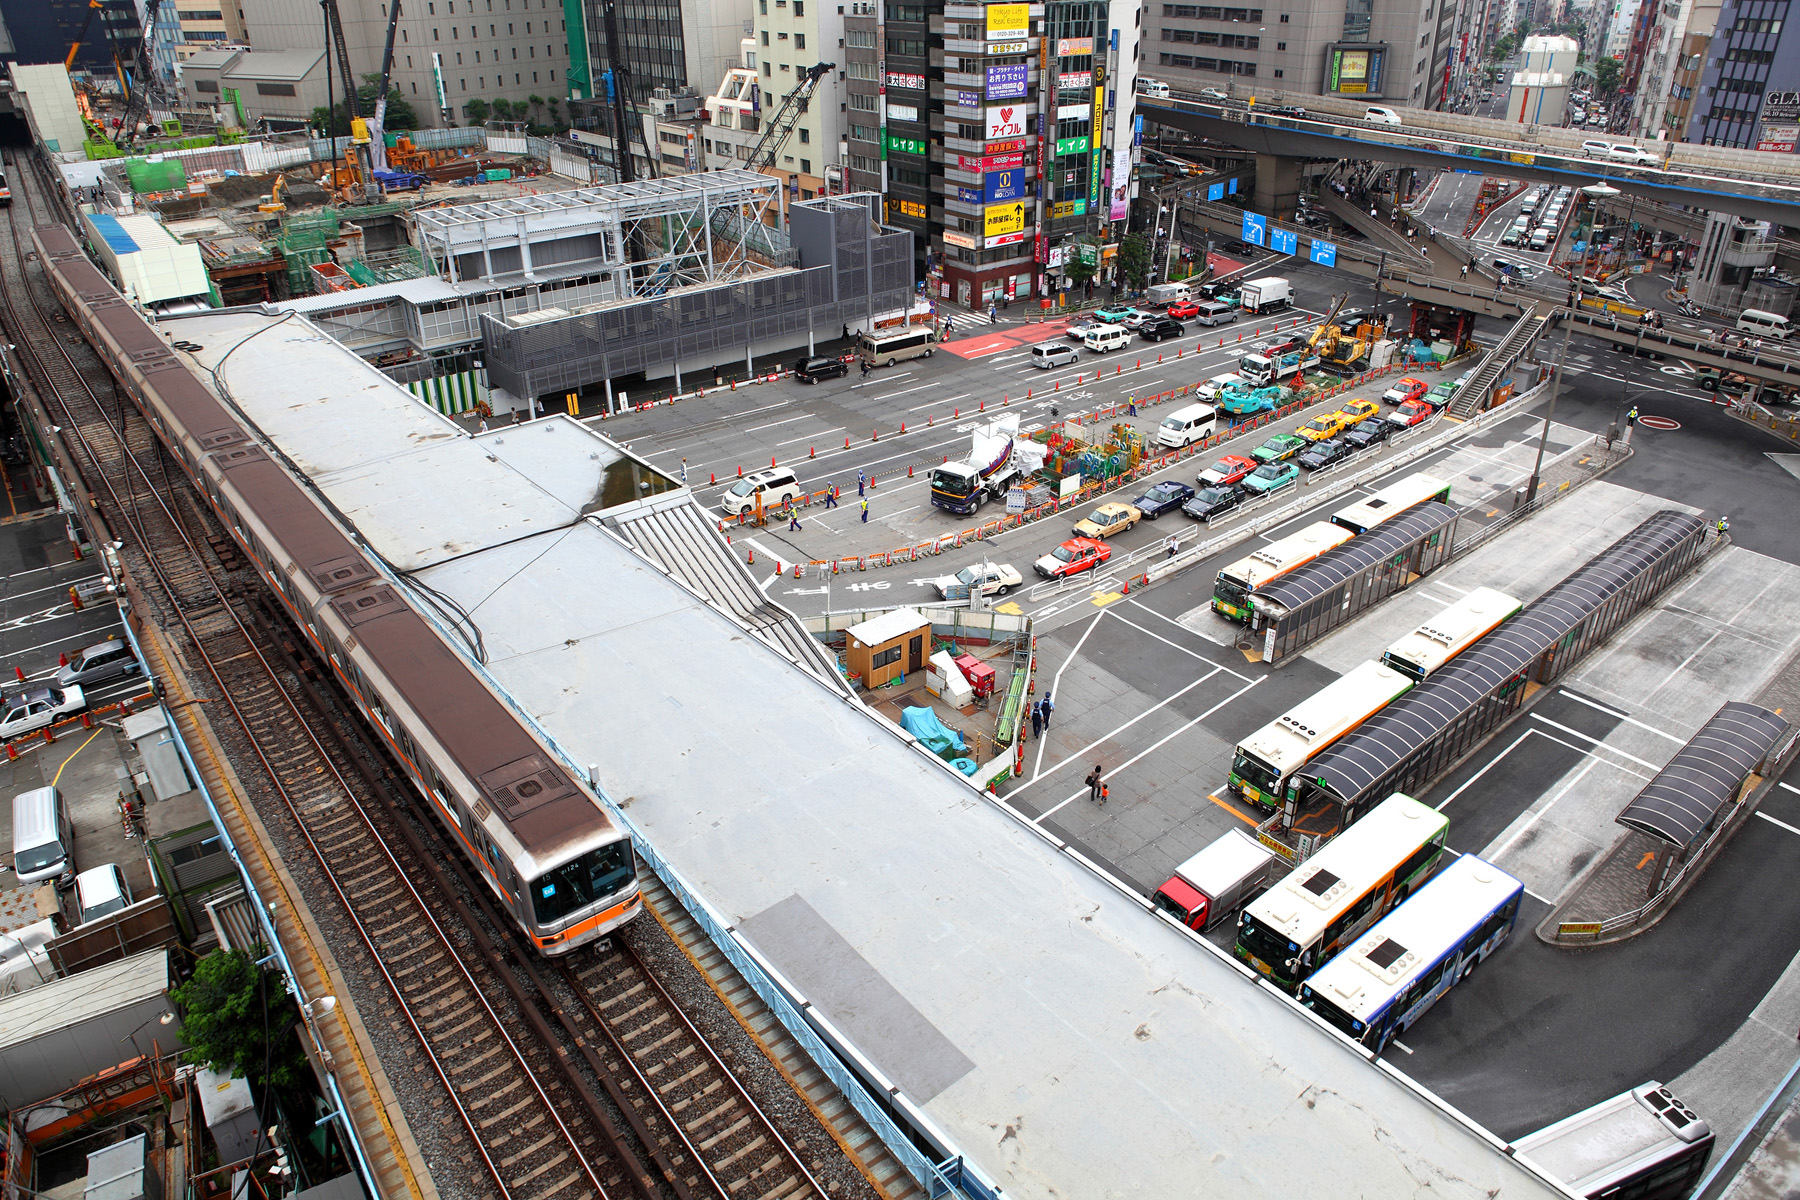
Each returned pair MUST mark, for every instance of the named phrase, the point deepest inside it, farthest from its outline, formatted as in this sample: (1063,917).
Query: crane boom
(94,6)
(781,125)
(378,126)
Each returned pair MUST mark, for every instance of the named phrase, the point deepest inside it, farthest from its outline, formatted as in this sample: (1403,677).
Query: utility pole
(1550,409)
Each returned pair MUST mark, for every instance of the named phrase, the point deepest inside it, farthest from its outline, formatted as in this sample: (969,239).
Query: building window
(858,101)
(434,35)
(799,41)
(1278,72)
(861,70)
(206,85)
(805,137)
(913,47)
(765,34)
(861,133)
(863,162)
(799,8)
(806,166)
(459,58)
(860,39)
(275,89)
(906,12)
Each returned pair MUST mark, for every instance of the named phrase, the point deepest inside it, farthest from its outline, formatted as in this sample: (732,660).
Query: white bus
(1265,761)
(1643,1145)
(1390,502)
(1295,927)
(1231,590)
(1395,972)
(1449,633)
(885,347)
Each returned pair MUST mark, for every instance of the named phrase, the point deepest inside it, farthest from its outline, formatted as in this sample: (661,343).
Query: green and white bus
(1264,762)
(1296,926)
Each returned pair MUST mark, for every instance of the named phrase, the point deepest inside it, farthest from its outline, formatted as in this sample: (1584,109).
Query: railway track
(516,1046)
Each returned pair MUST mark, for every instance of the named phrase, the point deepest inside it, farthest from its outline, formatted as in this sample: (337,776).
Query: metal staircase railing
(1470,396)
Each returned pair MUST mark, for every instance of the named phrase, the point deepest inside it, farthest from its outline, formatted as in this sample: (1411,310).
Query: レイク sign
(1006,121)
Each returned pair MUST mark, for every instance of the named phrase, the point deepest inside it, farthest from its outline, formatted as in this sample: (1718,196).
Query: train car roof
(1057,1033)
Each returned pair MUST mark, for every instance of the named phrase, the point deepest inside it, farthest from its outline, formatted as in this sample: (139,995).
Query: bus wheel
(890,362)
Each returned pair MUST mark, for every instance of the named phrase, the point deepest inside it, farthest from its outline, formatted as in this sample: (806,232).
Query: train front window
(580,882)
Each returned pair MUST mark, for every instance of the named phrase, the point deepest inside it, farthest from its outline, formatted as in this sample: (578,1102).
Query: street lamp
(1598,193)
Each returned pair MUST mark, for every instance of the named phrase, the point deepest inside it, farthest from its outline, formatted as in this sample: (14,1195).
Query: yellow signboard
(1004,218)
(1006,21)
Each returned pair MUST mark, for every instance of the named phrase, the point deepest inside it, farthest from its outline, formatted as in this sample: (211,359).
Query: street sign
(1284,241)
(1015,500)
(1324,253)
(1255,226)
(1215,191)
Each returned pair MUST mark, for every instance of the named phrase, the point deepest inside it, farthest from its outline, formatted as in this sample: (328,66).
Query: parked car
(1114,315)
(1513,237)
(1594,147)
(1635,156)
(997,579)
(1214,94)
(1370,431)
(1325,425)
(1278,448)
(111,659)
(1442,394)
(1212,502)
(1406,389)
(1110,518)
(1210,389)
(38,708)
(1135,318)
(1181,310)
(811,370)
(1411,413)
(1163,497)
(1073,556)
(1271,477)
(99,891)
(1158,328)
(1323,454)
(1355,410)
(1228,470)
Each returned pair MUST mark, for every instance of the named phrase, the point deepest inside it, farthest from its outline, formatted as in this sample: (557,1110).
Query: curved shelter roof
(1681,802)
(1357,762)
(1338,566)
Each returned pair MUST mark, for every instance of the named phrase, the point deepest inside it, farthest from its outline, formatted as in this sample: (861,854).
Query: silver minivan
(43,838)
(1046,355)
(100,662)
(1215,312)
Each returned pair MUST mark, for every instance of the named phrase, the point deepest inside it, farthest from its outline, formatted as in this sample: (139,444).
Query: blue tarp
(923,724)
(113,233)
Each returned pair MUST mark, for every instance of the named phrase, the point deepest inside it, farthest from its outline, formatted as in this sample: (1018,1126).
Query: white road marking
(773,424)
(1081,754)
(810,437)
(1771,820)
(1523,829)
(1621,716)
(1056,681)
(1576,733)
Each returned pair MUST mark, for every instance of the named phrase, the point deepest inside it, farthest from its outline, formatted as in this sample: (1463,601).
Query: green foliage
(535,102)
(226,1027)
(1503,47)
(1606,75)
(400,112)
(477,110)
(1078,267)
(504,110)
(1134,259)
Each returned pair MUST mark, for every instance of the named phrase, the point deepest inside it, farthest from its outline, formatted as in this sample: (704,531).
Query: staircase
(1530,324)
(1376,229)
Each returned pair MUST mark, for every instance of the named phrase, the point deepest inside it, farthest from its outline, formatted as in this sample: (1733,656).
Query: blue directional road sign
(1232,186)
(1284,241)
(1215,191)
(1255,227)
(1324,253)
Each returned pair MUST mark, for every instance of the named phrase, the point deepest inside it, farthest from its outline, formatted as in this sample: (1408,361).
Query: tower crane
(781,126)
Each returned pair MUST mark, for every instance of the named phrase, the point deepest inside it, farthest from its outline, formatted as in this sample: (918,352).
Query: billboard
(953,238)
(1780,138)
(968,99)
(1781,106)
(1006,121)
(903,112)
(1121,179)
(1354,70)
(1069,47)
(992,162)
(1074,80)
(1002,219)
(1008,47)
(1004,185)
(1068,208)
(1074,145)
(906,79)
(1007,82)
(1005,239)
(905,145)
(1005,21)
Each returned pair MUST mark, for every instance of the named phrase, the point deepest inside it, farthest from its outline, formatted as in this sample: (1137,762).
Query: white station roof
(1059,1035)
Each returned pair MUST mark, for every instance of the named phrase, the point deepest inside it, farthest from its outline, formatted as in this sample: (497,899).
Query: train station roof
(1686,796)
(1037,1017)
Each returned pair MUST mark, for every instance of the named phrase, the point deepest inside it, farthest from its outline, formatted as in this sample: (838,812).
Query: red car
(1227,471)
(1073,556)
(1181,310)
(1410,412)
(1407,389)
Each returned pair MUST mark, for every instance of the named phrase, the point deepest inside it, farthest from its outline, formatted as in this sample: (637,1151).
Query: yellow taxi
(1325,425)
(1107,520)
(1355,410)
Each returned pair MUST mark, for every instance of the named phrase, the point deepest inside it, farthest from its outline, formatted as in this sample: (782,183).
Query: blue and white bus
(1396,971)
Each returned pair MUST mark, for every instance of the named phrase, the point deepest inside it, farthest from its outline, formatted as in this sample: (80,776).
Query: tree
(1606,75)
(503,109)
(535,102)
(552,104)
(476,110)
(1080,261)
(238,1020)
(400,112)
(1134,259)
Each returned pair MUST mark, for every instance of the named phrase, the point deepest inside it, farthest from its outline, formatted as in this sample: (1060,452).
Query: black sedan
(1213,502)
(1323,454)
(1370,431)
(1162,498)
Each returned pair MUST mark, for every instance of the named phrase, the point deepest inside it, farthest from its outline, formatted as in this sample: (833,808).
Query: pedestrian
(1037,722)
(1174,545)
(830,494)
(1093,782)
(1723,527)
(862,482)
(1465,270)
(846,331)
(684,472)
(484,430)
(865,368)
(793,520)
(1049,706)
(865,512)
(1631,416)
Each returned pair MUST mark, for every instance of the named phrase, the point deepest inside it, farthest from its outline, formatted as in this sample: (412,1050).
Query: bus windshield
(1230,590)
(1257,773)
(1266,944)
(1333,1013)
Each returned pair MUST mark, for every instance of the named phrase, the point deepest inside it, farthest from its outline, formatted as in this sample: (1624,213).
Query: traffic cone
(712,480)
(740,472)
(49,734)
(75,601)
(87,720)
(874,435)
(909,473)
(812,452)
(751,560)
(771,462)
(12,752)
(62,660)
(846,443)
(1125,588)
(903,427)
(20,674)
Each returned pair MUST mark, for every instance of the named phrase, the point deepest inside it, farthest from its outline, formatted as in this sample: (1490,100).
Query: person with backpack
(1096,788)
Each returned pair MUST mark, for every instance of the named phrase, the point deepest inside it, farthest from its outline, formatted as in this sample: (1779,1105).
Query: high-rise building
(206,24)
(446,52)
(1374,49)
(791,36)
(1655,101)
(41,31)
(1749,93)
(667,43)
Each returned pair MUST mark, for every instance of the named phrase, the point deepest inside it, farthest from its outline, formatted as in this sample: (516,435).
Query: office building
(668,43)
(41,31)
(1657,110)
(1749,93)
(792,36)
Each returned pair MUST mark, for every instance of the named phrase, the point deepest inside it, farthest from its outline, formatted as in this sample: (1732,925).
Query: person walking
(484,430)
(1037,722)
(1094,784)
(1465,270)
(684,472)
(1049,706)
(830,494)
(865,512)
(862,482)
(1723,527)
(1174,545)
(793,520)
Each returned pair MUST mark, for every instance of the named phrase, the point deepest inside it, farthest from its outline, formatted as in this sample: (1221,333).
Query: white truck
(1261,370)
(998,458)
(1215,883)
(1161,295)
(1265,295)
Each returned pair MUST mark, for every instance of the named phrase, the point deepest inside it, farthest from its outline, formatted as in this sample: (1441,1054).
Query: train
(550,851)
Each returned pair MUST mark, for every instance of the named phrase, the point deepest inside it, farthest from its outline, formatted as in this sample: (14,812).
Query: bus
(1263,763)
(1449,633)
(1641,1145)
(1390,502)
(885,347)
(1231,590)
(1295,927)
(1393,974)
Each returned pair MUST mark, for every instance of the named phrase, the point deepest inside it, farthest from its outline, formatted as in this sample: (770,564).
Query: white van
(1102,338)
(1187,425)
(1758,323)
(1382,116)
(1156,89)
(1540,238)
(100,891)
(774,487)
(1045,355)
(1210,389)
(43,838)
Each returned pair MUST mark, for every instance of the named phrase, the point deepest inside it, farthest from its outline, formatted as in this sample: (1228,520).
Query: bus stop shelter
(1696,794)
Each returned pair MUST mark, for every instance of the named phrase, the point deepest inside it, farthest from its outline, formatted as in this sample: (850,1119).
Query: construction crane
(87,22)
(143,83)
(378,124)
(780,127)
(618,96)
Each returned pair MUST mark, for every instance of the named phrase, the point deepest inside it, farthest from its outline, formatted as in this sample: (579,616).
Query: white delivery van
(43,838)
(1154,88)
(1102,338)
(1187,425)
(1759,323)
(1161,295)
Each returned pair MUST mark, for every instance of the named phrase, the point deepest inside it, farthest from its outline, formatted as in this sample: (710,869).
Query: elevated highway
(1750,183)
(1688,341)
